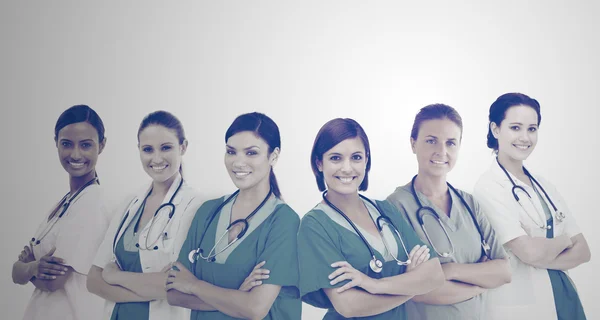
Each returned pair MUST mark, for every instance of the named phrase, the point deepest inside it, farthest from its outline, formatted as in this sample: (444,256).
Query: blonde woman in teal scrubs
(450,221)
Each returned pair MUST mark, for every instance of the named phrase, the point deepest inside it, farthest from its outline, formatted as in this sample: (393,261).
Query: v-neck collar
(224,219)
(450,221)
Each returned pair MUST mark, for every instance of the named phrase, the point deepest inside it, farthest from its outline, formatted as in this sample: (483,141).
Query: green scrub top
(323,241)
(467,246)
(128,256)
(566,300)
(271,237)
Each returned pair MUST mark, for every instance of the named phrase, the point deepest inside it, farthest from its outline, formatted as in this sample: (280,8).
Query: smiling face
(78,148)
(248,161)
(160,152)
(437,146)
(517,134)
(344,166)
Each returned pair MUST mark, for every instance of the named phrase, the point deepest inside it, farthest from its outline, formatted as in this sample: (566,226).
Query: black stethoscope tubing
(484,245)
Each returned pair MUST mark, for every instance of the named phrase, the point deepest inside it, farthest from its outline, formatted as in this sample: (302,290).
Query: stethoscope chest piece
(376,265)
(193,255)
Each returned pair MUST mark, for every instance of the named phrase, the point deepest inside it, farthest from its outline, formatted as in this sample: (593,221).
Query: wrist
(450,271)
(373,285)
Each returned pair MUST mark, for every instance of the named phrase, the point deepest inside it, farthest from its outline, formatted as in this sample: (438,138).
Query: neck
(75,183)
(346,202)
(161,188)
(431,186)
(511,165)
(253,196)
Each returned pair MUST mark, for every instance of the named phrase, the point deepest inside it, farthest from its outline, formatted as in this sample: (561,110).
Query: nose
(440,148)
(346,166)
(76,154)
(156,158)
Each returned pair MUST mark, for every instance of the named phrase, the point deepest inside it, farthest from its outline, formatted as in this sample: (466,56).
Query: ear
(412,145)
(183,147)
(101,145)
(494,129)
(273,157)
(319,165)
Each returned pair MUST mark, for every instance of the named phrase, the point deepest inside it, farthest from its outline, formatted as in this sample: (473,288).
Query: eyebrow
(248,148)
(519,123)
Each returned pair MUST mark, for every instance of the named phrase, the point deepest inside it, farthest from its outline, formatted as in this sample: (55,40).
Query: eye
(335,158)
(251,153)
(86,145)
(357,157)
(515,128)
(65,144)
(230,152)
(147,149)
(533,129)
(166,148)
(430,141)
(451,144)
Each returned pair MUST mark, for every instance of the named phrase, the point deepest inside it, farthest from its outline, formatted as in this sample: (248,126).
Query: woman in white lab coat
(59,255)
(146,234)
(530,218)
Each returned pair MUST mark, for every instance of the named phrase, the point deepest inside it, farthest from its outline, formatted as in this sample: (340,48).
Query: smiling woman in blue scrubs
(249,232)
(348,265)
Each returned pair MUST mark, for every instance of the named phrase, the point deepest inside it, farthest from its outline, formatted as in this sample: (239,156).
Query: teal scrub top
(128,256)
(322,241)
(566,300)
(467,246)
(271,237)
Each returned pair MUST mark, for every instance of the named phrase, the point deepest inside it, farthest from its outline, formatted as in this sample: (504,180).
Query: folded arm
(115,293)
(544,253)
(571,257)
(427,277)
(358,303)
(488,274)
(450,292)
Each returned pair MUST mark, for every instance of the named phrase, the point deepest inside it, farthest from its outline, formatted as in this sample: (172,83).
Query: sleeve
(316,252)
(502,214)
(104,254)
(83,231)
(281,252)
(409,236)
(571,227)
(189,212)
(489,234)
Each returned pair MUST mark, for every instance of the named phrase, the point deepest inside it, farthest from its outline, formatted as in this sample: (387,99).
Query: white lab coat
(186,203)
(529,295)
(76,237)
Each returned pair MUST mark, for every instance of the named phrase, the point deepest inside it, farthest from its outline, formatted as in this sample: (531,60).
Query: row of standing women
(429,251)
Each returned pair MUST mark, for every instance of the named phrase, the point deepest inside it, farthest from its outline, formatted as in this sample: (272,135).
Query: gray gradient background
(302,64)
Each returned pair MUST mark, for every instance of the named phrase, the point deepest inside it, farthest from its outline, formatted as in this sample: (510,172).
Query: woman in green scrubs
(462,227)
(249,232)
(348,264)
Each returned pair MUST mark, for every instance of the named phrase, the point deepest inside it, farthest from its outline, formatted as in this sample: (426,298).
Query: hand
(346,271)
(49,267)
(483,258)
(110,273)
(417,256)
(255,277)
(181,280)
(26,255)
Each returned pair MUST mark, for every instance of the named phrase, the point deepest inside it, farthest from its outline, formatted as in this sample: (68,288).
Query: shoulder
(401,193)
(285,212)
(315,219)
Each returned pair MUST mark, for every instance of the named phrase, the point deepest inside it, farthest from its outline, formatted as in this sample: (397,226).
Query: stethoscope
(375,264)
(170,207)
(422,212)
(198,253)
(560,216)
(65,202)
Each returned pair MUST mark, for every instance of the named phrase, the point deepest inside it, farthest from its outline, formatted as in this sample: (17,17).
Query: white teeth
(438,162)
(346,179)
(241,174)
(155,168)
(522,147)
(77,165)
